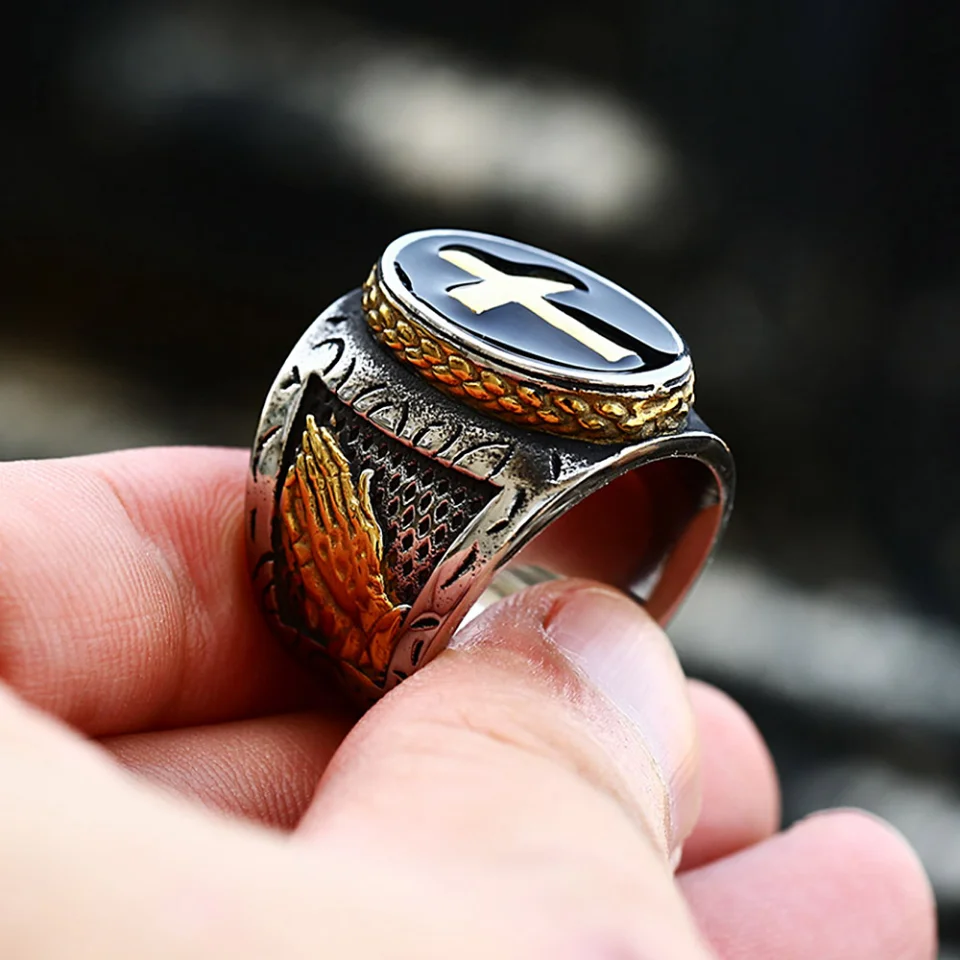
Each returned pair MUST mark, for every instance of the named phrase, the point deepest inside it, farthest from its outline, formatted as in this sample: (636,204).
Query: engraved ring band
(477,403)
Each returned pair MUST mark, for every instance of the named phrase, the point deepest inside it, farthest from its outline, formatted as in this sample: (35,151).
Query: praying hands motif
(334,549)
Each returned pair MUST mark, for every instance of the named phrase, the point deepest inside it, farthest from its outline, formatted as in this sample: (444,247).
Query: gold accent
(334,550)
(497,288)
(583,414)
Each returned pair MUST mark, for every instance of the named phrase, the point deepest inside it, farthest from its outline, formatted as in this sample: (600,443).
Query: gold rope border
(597,417)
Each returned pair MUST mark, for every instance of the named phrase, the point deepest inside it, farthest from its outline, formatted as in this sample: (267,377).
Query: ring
(477,402)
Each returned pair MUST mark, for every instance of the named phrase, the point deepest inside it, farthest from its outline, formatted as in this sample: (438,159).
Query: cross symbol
(497,288)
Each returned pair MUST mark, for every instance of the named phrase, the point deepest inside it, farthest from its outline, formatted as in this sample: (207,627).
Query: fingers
(371,525)
(125,601)
(314,495)
(322,448)
(338,463)
(838,886)
(555,748)
(267,769)
(569,867)
(741,795)
(264,770)
(94,864)
(568,674)
(332,544)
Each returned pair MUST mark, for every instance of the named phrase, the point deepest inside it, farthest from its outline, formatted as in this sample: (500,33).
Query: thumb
(548,759)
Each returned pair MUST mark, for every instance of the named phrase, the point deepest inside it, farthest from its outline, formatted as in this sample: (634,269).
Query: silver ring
(478,402)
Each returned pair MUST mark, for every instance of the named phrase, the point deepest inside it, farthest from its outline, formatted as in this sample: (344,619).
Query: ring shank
(648,532)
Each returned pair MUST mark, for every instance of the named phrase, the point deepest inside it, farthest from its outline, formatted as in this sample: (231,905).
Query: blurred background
(188,184)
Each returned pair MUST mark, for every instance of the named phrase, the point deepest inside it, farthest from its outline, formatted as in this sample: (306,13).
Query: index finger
(125,602)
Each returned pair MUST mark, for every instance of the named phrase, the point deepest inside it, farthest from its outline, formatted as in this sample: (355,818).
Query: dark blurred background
(188,184)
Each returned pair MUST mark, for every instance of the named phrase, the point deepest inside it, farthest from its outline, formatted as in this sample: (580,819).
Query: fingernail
(627,657)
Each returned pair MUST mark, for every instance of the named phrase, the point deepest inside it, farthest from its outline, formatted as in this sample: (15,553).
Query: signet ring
(478,403)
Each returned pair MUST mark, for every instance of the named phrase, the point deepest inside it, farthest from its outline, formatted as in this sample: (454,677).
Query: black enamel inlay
(618,317)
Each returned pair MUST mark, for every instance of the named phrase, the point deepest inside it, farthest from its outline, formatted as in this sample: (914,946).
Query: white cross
(497,288)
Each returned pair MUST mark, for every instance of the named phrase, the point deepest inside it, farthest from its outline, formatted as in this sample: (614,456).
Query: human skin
(172,785)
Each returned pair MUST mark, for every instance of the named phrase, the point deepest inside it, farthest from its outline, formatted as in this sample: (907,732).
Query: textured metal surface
(457,493)
(421,506)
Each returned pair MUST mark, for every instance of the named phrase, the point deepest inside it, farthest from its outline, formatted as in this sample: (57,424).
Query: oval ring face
(530,310)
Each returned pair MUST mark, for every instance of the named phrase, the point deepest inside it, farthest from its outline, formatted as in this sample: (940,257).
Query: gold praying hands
(334,547)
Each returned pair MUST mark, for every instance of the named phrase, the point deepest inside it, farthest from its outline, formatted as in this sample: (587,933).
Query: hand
(521,797)
(327,528)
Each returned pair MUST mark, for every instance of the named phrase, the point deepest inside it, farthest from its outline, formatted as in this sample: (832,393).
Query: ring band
(478,401)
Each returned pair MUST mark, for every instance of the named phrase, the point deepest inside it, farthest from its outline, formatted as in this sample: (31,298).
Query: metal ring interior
(648,532)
